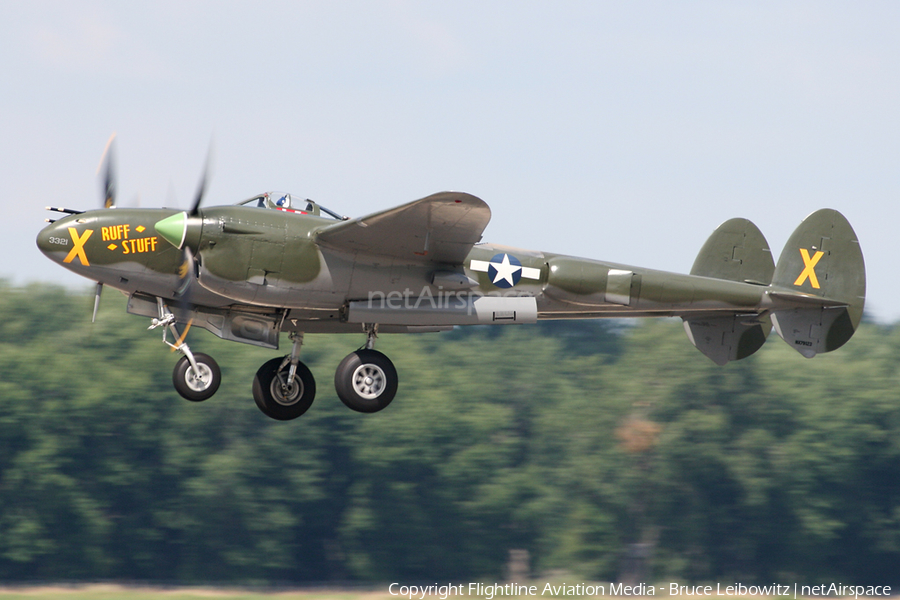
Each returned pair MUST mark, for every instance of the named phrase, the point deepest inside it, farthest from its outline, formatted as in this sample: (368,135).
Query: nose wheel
(196,377)
(197,384)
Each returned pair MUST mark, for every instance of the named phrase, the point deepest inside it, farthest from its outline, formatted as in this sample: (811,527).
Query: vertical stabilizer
(736,251)
(823,272)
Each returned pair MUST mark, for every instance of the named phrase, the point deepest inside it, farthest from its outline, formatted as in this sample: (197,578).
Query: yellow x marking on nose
(809,272)
(78,250)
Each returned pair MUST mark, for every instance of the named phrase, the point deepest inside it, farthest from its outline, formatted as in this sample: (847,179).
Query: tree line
(609,449)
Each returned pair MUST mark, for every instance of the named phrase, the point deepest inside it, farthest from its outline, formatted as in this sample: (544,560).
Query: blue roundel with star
(505,270)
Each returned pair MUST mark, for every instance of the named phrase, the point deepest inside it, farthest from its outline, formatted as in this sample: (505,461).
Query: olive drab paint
(274,263)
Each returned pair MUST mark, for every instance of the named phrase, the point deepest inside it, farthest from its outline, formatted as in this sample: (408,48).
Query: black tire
(366,381)
(269,394)
(191,387)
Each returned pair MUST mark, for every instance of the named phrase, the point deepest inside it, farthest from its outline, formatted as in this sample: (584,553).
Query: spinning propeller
(171,229)
(109,199)
(109,178)
(187,272)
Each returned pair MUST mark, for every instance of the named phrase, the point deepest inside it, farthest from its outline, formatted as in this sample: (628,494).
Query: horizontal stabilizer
(728,337)
(807,300)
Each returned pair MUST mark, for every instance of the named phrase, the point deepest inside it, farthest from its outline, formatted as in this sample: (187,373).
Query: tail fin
(736,251)
(820,283)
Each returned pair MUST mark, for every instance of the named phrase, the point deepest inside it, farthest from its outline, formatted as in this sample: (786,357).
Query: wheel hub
(369,381)
(286,393)
(198,381)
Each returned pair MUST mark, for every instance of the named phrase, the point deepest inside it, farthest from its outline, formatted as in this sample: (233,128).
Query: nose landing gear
(196,377)
(199,380)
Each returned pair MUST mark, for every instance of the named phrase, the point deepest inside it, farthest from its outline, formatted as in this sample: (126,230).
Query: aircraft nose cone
(173,229)
(54,241)
(43,238)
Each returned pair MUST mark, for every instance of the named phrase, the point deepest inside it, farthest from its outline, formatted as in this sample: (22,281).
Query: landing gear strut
(366,380)
(284,388)
(196,376)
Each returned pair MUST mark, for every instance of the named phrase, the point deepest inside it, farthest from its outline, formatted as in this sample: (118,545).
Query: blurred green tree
(607,449)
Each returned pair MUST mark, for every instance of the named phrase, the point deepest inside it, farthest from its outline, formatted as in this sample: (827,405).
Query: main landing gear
(365,381)
(284,388)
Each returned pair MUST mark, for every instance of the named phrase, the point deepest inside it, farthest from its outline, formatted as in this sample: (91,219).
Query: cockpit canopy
(283,201)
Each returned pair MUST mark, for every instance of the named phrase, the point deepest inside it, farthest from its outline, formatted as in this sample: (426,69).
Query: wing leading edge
(441,228)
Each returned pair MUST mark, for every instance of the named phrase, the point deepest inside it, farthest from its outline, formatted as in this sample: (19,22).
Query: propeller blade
(187,284)
(201,190)
(195,207)
(184,333)
(97,301)
(109,178)
(186,274)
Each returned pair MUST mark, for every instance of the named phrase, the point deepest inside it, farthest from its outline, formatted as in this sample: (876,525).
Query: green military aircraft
(275,263)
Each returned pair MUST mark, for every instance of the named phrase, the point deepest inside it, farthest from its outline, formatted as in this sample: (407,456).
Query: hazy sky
(622,131)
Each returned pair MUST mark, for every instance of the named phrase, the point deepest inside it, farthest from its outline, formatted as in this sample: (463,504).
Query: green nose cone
(173,229)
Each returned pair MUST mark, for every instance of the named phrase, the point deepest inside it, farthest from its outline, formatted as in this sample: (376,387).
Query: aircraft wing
(440,228)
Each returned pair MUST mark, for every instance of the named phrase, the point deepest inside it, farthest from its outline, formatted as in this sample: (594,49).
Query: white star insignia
(507,273)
